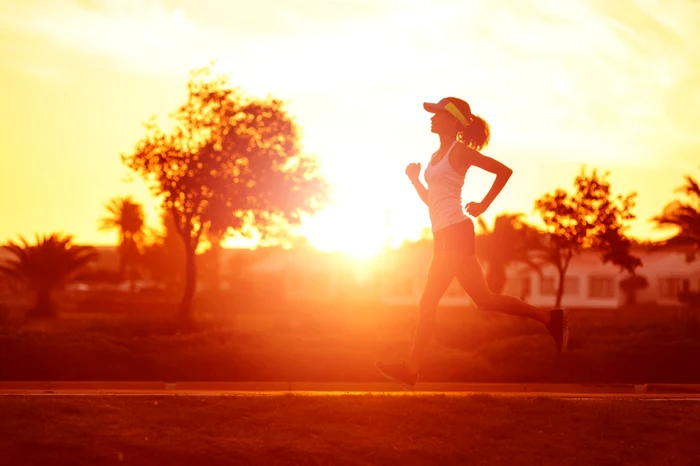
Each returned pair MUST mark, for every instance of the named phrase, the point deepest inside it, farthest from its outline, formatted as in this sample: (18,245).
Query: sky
(609,85)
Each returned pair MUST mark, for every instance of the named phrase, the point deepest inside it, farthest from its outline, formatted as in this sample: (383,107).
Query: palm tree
(510,241)
(685,217)
(127,217)
(162,255)
(46,266)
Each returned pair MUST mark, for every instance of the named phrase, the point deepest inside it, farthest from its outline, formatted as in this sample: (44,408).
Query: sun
(327,235)
(355,230)
(363,224)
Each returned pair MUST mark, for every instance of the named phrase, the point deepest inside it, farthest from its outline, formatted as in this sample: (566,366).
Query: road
(137,388)
(224,393)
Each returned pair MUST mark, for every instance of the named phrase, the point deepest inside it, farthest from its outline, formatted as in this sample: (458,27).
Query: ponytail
(477,134)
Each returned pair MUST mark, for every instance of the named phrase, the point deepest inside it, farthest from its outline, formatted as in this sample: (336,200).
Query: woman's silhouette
(462,136)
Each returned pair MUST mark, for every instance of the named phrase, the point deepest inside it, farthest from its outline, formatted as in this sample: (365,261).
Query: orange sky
(615,85)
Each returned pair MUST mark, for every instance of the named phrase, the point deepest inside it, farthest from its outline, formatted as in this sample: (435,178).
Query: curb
(673,388)
(346,387)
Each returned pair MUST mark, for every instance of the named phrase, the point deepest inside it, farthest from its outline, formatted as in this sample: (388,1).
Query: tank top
(444,193)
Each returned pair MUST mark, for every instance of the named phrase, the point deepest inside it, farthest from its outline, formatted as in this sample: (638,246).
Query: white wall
(668,273)
(591,283)
(588,283)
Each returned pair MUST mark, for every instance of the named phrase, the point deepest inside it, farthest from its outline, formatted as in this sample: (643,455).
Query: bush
(690,299)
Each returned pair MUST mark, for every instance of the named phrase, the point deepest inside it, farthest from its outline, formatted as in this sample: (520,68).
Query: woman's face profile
(442,122)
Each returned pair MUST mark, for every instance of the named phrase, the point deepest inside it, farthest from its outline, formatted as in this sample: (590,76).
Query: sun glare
(327,235)
(349,226)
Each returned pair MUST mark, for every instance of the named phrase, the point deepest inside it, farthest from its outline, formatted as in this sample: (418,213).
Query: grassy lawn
(610,346)
(290,429)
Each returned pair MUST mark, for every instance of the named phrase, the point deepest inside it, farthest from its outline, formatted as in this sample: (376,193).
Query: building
(590,283)
(397,277)
(668,274)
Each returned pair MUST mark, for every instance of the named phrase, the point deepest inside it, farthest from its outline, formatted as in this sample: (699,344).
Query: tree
(125,216)
(46,266)
(685,217)
(231,158)
(510,241)
(631,285)
(589,218)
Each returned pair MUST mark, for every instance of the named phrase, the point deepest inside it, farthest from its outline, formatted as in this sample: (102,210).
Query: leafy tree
(125,216)
(631,285)
(510,241)
(588,218)
(231,158)
(46,266)
(684,216)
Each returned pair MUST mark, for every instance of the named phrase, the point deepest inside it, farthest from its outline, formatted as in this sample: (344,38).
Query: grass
(338,430)
(341,343)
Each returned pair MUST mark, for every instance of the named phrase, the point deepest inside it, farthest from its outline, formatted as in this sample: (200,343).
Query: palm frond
(9,271)
(691,188)
(53,260)
(124,214)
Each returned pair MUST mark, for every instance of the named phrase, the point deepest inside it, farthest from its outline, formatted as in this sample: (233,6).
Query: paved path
(215,393)
(626,391)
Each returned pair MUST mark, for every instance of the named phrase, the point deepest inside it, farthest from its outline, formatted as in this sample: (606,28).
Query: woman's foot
(558,327)
(398,372)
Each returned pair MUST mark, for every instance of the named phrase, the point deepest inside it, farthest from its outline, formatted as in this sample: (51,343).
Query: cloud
(318,45)
(136,36)
(571,77)
(605,77)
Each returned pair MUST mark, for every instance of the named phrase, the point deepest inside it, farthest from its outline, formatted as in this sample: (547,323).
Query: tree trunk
(562,267)
(121,252)
(44,307)
(560,288)
(122,264)
(185,312)
(130,259)
(132,281)
(216,259)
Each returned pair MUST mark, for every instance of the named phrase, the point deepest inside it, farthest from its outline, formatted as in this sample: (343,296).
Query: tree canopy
(229,163)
